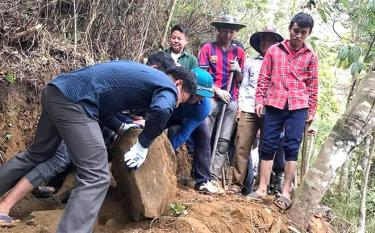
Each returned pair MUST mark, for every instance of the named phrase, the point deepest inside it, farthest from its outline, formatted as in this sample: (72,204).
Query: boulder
(147,191)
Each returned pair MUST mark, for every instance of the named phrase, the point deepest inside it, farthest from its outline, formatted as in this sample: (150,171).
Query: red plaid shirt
(288,77)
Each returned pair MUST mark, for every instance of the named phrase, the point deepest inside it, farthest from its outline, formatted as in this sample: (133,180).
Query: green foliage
(356,48)
(10,78)
(7,137)
(178,209)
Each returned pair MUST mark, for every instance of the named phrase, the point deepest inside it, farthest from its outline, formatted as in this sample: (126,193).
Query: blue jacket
(188,117)
(107,88)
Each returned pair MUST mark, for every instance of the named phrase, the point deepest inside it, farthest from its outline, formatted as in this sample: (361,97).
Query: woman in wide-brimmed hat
(262,40)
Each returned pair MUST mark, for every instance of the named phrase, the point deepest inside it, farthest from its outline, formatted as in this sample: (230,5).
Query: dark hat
(228,22)
(255,38)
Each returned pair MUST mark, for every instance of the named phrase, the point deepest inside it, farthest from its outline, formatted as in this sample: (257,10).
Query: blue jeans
(202,152)
(274,122)
(50,168)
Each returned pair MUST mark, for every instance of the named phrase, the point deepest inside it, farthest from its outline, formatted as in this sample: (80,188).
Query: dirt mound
(204,214)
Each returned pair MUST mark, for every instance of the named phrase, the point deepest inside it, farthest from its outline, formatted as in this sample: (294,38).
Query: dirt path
(205,214)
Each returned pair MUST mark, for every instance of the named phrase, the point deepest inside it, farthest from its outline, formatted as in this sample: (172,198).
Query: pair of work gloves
(224,95)
(137,153)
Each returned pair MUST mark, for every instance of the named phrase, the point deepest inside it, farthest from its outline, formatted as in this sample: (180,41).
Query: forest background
(36,35)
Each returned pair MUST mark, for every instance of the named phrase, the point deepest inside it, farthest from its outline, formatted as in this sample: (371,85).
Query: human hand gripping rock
(135,156)
(125,127)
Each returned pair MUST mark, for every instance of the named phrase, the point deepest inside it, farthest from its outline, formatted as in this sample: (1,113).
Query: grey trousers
(224,134)
(59,120)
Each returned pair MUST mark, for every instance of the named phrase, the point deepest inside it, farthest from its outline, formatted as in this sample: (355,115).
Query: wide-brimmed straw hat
(227,22)
(256,37)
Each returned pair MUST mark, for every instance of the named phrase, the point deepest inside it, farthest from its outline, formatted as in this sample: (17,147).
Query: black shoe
(43,191)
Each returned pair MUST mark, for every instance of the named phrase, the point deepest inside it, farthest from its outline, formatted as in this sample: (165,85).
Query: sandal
(255,196)
(283,203)
(7,221)
(233,190)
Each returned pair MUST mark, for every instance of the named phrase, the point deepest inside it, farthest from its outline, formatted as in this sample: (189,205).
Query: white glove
(234,66)
(135,156)
(125,127)
(224,95)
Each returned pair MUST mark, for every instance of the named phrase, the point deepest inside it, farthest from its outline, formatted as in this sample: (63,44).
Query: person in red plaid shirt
(287,90)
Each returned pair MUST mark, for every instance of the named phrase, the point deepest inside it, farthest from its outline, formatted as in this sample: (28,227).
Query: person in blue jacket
(188,120)
(74,104)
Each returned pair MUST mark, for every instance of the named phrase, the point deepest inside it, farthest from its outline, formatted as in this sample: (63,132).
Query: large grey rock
(148,191)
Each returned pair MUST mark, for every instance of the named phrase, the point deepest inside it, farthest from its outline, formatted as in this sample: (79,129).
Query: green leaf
(345,4)
(313,44)
(323,15)
(10,78)
(354,69)
(343,53)
(8,136)
(371,5)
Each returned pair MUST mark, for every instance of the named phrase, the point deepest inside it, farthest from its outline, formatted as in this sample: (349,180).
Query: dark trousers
(279,161)
(202,153)
(274,122)
(200,139)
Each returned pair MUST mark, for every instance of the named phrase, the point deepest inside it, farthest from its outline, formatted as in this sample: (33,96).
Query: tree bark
(342,185)
(307,151)
(164,38)
(357,122)
(369,153)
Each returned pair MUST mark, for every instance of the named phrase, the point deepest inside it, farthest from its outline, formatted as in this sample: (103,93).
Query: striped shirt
(289,77)
(217,60)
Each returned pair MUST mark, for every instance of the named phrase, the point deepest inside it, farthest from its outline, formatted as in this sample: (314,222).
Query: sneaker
(207,188)
(218,186)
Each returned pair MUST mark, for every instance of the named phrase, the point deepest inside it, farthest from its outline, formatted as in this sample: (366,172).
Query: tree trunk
(342,185)
(164,38)
(357,122)
(362,208)
(307,151)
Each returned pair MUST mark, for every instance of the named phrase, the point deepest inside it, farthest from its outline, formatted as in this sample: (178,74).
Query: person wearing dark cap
(249,122)
(221,58)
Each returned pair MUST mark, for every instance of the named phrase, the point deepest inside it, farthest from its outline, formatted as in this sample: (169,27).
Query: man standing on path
(221,58)
(74,103)
(288,89)
(249,123)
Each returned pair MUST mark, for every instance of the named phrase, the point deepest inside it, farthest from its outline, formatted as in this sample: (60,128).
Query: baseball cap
(204,82)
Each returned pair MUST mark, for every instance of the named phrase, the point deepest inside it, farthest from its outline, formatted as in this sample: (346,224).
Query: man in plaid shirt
(287,89)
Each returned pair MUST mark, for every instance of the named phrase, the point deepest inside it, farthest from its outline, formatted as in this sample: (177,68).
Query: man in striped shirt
(221,58)
(287,89)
